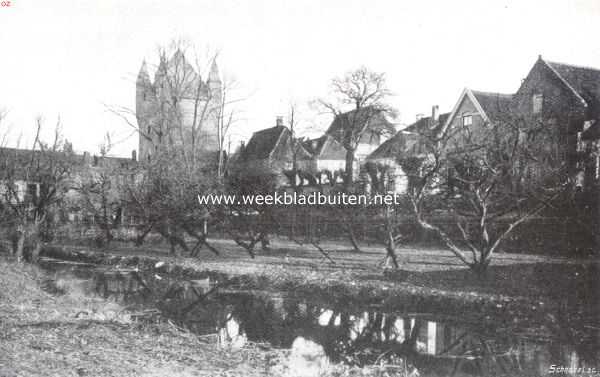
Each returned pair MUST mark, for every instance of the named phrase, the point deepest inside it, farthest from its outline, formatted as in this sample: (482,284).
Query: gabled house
(327,159)
(567,99)
(370,124)
(269,153)
(475,110)
(405,143)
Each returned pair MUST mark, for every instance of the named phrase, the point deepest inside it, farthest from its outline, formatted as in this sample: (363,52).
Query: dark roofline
(494,94)
(563,80)
(572,65)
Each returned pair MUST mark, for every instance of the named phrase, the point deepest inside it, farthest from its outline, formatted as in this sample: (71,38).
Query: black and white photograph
(300,188)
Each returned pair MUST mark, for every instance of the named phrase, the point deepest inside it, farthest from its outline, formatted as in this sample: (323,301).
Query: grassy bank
(49,329)
(515,283)
(66,334)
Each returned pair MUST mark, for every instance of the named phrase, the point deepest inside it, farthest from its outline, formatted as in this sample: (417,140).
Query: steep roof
(396,146)
(424,125)
(263,143)
(325,148)
(495,105)
(143,76)
(583,81)
(367,117)
(491,106)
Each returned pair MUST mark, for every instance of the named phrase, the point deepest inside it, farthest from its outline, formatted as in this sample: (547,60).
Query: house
(476,109)
(367,128)
(327,157)
(81,169)
(564,99)
(567,99)
(269,153)
(406,143)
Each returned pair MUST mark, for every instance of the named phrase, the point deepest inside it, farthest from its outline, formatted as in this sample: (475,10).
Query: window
(537,102)
(467,120)
(149,130)
(598,166)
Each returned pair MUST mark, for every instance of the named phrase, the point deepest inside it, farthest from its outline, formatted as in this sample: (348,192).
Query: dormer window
(467,120)
(536,103)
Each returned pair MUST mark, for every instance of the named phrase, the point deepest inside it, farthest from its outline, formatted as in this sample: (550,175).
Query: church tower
(177,86)
(144,104)
(215,88)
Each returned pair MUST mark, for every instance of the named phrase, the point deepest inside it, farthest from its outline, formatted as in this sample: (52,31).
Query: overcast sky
(71,57)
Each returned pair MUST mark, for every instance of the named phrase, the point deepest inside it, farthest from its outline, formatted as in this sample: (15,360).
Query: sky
(72,59)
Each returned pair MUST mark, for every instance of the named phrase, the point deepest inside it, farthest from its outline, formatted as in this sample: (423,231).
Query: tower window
(149,130)
(467,120)
(536,103)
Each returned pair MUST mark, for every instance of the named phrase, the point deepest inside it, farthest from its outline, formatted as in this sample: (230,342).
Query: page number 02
(5,4)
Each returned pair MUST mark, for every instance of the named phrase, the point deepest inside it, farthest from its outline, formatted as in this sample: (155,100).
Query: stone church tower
(178,108)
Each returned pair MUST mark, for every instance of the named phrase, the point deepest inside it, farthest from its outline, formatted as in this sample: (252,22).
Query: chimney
(279,121)
(435,113)
(133,155)
(86,158)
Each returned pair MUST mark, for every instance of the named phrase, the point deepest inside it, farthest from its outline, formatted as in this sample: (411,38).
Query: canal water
(433,343)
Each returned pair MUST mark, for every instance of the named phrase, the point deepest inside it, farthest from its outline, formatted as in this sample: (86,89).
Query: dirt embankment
(390,291)
(65,334)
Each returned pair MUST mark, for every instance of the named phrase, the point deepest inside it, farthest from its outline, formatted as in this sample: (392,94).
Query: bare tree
(473,188)
(359,106)
(34,183)
(99,192)
(390,212)
(229,114)
(182,122)
(359,101)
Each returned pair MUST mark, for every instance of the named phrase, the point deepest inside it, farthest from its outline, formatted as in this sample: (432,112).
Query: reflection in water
(307,358)
(231,334)
(320,333)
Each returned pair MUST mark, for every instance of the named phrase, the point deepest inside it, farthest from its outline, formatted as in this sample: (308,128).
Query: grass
(65,333)
(424,271)
(70,335)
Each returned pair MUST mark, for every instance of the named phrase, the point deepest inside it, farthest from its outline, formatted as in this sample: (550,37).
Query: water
(434,343)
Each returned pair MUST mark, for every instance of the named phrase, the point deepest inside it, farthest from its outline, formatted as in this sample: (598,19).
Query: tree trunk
(391,251)
(480,267)
(349,170)
(265,242)
(35,253)
(20,245)
(352,237)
